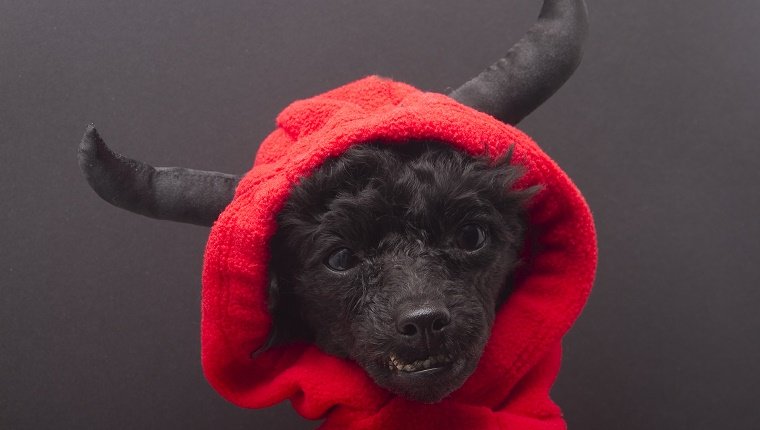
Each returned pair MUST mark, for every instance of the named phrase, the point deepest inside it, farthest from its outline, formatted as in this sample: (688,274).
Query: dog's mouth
(429,363)
(426,379)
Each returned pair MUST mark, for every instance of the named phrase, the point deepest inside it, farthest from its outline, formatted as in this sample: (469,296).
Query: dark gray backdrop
(99,308)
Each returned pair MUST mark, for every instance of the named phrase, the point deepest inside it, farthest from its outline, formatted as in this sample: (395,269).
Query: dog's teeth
(395,363)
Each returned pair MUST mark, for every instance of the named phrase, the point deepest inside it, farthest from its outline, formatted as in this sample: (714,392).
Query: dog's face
(397,256)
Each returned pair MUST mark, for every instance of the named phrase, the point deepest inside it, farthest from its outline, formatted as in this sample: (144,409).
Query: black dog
(395,255)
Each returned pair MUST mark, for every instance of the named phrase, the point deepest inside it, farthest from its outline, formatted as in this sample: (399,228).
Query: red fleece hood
(510,388)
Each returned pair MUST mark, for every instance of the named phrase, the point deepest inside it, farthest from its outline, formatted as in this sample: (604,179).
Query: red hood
(510,388)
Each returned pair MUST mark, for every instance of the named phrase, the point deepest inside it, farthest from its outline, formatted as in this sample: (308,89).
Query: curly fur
(399,208)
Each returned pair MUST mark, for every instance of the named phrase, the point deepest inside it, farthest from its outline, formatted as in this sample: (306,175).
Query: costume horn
(534,68)
(170,193)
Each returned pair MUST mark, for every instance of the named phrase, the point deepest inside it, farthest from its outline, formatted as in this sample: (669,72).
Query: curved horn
(534,68)
(170,193)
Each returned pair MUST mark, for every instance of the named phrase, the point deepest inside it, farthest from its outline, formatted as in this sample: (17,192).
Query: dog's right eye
(341,260)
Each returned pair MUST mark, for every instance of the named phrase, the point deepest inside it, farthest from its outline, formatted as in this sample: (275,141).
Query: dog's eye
(471,237)
(341,259)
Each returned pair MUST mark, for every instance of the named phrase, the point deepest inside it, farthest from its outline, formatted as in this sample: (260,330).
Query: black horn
(170,193)
(534,68)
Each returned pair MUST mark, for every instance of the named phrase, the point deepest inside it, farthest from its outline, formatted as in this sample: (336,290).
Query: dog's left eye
(341,259)
(471,237)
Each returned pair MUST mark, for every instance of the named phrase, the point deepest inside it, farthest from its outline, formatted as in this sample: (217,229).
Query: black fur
(400,209)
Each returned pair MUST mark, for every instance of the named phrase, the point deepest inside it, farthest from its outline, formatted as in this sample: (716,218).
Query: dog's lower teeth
(395,363)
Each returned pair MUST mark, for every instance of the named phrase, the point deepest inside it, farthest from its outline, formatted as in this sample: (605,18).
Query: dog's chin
(427,380)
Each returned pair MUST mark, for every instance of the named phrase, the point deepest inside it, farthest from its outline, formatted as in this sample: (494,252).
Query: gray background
(99,308)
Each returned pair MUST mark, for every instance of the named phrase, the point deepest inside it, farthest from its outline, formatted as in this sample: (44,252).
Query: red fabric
(510,388)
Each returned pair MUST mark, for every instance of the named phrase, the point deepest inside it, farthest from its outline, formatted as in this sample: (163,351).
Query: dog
(395,256)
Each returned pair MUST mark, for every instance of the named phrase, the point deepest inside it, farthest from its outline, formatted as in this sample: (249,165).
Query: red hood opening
(510,388)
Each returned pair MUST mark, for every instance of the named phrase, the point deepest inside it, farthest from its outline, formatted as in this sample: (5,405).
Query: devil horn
(534,68)
(170,193)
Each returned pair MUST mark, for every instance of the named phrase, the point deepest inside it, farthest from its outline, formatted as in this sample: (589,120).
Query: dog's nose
(420,320)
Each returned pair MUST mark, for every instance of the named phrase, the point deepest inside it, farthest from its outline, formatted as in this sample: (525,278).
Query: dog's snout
(419,320)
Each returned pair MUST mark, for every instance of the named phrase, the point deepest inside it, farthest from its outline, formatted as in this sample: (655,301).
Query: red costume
(510,388)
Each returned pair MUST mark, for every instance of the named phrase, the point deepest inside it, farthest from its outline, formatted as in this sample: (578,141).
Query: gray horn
(169,193)
(533,69)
